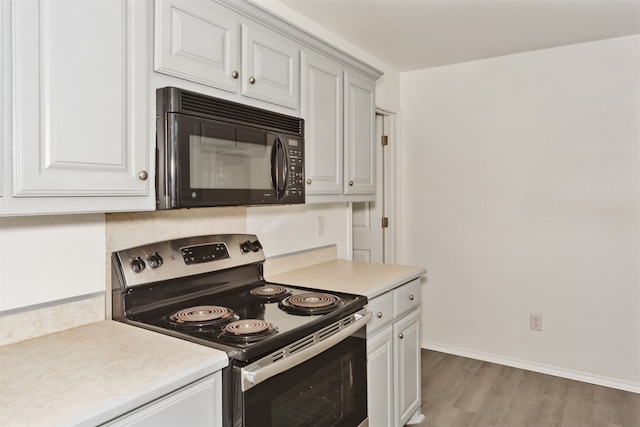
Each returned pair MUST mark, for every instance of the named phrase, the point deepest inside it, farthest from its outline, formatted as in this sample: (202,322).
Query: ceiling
(415,34)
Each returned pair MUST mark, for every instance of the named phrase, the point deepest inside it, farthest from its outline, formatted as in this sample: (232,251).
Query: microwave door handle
(279,168)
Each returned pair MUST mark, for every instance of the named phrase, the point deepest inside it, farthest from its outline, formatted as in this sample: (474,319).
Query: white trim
(535,367)
(390,185)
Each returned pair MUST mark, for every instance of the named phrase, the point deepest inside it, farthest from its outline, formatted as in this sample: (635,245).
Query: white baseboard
(535,367)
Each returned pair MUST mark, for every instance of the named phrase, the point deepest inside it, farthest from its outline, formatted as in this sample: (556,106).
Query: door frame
(385,172)
(389,184)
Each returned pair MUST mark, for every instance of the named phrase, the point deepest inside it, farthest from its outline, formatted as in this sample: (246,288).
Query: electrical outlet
(320,225)
(535,322)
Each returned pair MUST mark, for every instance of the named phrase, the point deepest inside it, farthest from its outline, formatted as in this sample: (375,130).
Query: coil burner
(311,303)
(269,293)
(247,331)
(201,316)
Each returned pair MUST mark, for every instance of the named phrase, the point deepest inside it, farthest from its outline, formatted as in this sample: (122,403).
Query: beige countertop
(355,277)
(90,374)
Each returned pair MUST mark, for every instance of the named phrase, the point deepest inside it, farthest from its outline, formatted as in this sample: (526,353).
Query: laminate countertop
(355,277)
(93,373)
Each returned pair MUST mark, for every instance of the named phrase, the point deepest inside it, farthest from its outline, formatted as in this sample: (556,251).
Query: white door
(371,240)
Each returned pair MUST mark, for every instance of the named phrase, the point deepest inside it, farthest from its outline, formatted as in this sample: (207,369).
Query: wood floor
(460,392)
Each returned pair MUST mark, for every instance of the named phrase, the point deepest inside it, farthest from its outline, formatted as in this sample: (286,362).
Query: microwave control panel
(296,170)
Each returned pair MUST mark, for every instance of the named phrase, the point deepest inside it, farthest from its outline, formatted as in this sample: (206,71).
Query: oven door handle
(262,370)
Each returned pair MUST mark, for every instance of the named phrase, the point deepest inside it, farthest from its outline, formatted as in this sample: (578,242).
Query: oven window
(328,390)
(226,157)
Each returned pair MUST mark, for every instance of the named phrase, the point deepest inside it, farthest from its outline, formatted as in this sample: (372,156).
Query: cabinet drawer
(196,404)
(406,297)
(382,309)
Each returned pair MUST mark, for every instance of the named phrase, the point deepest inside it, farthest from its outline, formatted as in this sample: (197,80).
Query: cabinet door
(198,41)
(271,66)
(407,360)
(360,164)
(5,25)
(323,121)
(380,378)
(80,98)
(198,404)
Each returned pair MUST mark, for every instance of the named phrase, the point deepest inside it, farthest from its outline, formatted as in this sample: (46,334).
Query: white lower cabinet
(407,366)
(393,357)
(380,377)
(198,404)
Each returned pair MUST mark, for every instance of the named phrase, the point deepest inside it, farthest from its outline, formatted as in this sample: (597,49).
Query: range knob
(155,260)
(246,246)
(137,265)
(256,246)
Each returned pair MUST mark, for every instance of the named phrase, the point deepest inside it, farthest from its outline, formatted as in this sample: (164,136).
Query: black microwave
(214,152)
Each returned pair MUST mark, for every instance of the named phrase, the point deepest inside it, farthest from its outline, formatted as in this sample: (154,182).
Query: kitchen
(556,256)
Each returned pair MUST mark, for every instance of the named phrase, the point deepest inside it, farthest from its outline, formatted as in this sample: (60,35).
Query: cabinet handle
(379,315)
(252,80)
(143,175)
(235,74)
(350,183)
(401,335)
(309,181)
(411,297)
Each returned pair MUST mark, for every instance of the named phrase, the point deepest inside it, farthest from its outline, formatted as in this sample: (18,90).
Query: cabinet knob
(411,297)
(379,315)
(401,335)
(309,181)
(235,74)
(143,175)
(252,80)
(350,183)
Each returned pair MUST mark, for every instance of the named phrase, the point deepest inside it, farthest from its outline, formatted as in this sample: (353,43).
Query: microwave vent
(239,113)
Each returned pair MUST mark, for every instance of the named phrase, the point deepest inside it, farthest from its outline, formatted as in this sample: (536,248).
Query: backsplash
(125,230)
(35,323)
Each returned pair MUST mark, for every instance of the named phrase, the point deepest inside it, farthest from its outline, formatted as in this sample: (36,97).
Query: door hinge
(385,222)
(385,140)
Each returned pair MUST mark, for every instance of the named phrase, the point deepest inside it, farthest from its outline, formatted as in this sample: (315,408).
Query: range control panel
(178,258)
(204,253)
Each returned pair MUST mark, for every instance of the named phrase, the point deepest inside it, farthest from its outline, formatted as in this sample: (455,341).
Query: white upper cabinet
(324,140)
(208,43)
(80,139)
(271,66)
(4,66)
(360,152)
(340,119)
(198,41)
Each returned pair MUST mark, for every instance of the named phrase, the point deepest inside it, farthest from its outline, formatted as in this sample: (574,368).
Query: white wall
(287,229)
(521,195)
(49,258)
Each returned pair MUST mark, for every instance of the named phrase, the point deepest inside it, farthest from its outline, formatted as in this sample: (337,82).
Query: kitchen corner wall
(520,190)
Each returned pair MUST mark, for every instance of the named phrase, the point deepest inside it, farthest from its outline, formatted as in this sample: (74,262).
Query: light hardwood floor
(461,392)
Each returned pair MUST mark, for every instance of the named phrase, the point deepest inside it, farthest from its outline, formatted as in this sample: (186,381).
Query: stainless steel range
(297,355)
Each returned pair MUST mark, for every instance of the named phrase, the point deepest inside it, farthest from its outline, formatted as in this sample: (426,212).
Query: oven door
(325,386)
